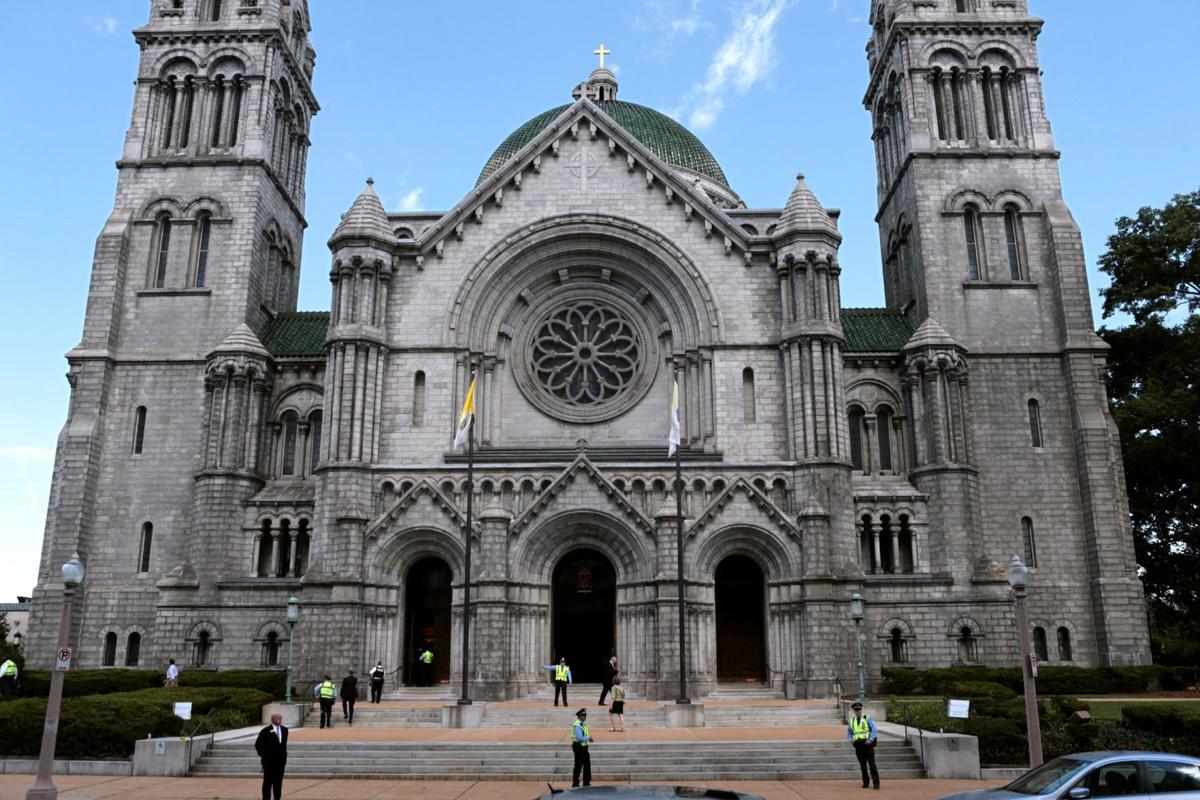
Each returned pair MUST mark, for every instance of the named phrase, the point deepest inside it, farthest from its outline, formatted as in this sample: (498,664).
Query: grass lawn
(1111,709)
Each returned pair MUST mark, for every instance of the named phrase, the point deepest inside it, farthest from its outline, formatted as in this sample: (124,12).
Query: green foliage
(969,689)
(102,681)
(106,725)
(1165,719)
(961,681)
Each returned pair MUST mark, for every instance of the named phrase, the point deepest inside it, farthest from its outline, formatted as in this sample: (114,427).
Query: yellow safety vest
(327,690)
(427,657)
(586,733)
(860,729)
(8,669)
(560,673)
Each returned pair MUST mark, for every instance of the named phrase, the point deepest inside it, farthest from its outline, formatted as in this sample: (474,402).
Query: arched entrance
(584,609)
(741,620)
(427,619)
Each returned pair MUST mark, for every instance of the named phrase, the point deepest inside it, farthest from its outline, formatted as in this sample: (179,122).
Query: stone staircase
(641,761)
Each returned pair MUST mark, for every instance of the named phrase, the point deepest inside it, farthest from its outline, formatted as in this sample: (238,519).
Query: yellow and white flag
(673,439)
(467,416)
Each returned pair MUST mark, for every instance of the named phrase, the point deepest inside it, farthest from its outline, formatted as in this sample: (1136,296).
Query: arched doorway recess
(741,620)
(427,618)
(584,608)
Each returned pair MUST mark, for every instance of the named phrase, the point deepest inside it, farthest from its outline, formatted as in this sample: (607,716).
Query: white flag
(673,439)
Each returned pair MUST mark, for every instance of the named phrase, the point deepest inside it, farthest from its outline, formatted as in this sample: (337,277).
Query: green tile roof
(875,330)
(664,137)
(296,334)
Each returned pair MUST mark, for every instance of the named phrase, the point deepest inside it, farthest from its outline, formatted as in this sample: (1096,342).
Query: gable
(423,501)
(581,485)
(742,504)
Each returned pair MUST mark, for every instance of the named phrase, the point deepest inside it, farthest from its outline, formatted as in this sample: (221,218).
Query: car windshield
(1047,777)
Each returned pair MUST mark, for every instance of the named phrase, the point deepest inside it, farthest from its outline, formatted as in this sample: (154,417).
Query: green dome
(662,135)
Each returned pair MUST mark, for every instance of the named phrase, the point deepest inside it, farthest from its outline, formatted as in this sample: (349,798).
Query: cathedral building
(224,452)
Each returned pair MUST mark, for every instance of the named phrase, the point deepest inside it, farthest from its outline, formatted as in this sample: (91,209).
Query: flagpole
(465,700)
(683,690)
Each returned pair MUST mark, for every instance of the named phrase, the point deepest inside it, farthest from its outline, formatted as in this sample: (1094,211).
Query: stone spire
(366,218)
(804,213)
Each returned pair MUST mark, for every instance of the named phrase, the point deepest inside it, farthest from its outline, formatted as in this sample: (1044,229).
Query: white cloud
(110,24)
(689,24)
(669,20)
(102,25)
(745,57)
(412,200)
(834,4)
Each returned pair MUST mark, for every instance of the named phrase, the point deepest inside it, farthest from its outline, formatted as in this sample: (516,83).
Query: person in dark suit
(271,746)
(610,672)
(349,696)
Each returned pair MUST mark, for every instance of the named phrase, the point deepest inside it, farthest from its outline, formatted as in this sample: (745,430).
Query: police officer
(326,692)
(8,678)
(562,677)
(426,661)
(861,733)
(377,673)
(581,737)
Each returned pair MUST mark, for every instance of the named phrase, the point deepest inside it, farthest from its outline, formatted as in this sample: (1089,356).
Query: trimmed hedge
(76,683)
(1050,680)
(1164,719)
(107,725)
(971,689)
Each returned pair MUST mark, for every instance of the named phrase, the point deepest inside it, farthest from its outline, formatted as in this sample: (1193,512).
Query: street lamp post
(1018,579)
(293,616)
(43,788)
(856,613)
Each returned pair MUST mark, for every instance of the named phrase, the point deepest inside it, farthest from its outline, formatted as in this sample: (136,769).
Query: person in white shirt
(172,674)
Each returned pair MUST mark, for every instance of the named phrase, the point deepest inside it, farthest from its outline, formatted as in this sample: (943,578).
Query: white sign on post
(64,660)
(958,709)
(1033,664)
(183,710)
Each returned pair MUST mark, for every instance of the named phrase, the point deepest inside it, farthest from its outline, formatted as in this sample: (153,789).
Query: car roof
(1101,755)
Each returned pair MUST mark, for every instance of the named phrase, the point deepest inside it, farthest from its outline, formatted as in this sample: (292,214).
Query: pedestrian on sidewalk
(172,674)
(581,737)
(610,672)
(377,673)
(349,696)
(861,733)
(271,746)
(562,678)
(616,713)
(326,694)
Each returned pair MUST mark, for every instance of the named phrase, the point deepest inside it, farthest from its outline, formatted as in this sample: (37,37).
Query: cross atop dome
(601,85)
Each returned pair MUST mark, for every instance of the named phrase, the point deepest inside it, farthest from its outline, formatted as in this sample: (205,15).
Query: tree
(1154,369)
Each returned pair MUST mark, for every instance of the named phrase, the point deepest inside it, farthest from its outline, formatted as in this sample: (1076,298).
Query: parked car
(628,792)
(1081,776)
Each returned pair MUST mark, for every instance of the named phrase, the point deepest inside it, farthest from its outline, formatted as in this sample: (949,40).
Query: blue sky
(418,94)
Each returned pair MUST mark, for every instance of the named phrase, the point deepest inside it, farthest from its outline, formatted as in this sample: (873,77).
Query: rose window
(586,353)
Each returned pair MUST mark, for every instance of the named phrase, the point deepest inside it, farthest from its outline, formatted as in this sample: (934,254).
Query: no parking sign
(64,659)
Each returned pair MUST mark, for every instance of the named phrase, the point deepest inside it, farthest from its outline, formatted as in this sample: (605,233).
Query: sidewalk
(13,787)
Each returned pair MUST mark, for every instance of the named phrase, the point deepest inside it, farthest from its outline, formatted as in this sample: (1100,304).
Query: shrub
(1165,719)
(106,725)
(77,683)
(1050,680)
(972,689)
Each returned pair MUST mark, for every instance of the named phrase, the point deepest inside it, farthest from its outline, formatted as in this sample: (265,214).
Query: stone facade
(223,452)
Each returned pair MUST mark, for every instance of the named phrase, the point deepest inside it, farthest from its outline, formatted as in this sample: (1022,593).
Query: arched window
(185,119)
(1006,82)
(162,250)
(139,429)
(971,237)
(144,547)
(315,420)
(109,657)
(1035,423)
(939,106)
(133,649)
(897,647)
(1040,651)
(883,424)
(855,418)
(1027,539)
(203,237)
(968,645)
(270,654)
(749,414)
(266,551)
(956,98)
(303,539)
(202,649)
(1064,644)
(169,90)
(418,409)
(908,553)
(215,11)
(1012,241)
(284,561)
(291,426)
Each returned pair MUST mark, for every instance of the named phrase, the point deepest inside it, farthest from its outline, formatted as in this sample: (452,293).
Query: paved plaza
(12,787)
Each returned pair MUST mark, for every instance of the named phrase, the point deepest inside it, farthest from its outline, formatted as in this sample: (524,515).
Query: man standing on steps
(326,692)
(426,659)
(581,737)
(376,681)
(861,733)
(610,672)
(349,696)
(562,677)
(271,746)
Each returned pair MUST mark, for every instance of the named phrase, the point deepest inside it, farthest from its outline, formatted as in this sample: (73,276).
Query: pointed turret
(242,341)
(804,214)
(366,219)
(931,335)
